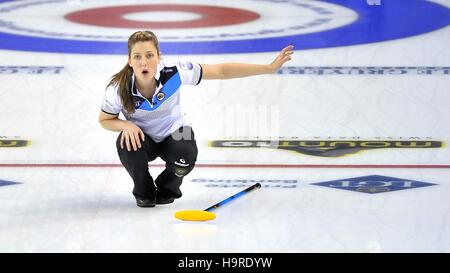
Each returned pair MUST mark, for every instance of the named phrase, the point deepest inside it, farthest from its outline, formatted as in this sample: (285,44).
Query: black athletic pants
(178,150)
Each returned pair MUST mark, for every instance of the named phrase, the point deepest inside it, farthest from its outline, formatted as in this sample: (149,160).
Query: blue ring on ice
(393,19)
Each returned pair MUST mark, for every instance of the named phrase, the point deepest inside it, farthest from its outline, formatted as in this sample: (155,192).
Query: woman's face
(144,60)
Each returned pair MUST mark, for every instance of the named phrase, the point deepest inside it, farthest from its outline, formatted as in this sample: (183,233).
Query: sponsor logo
(374,184)
(30,69)
(138,101)
(373,2)
(7,183)
(327,148)
(364,70)
(240,183)
(13,142)
(186,65)
(180,172)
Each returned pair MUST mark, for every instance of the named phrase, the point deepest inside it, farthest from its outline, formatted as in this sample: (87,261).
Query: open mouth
(145,72)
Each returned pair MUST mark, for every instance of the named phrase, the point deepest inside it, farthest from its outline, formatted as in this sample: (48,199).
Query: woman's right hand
(132,136)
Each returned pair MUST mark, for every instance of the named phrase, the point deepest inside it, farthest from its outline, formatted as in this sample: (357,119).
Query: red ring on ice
(211,16)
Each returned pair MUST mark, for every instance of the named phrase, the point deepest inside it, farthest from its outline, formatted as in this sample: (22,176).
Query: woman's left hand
(284,56)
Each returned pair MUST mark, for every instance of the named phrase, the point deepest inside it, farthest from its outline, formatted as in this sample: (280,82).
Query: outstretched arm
(239,70)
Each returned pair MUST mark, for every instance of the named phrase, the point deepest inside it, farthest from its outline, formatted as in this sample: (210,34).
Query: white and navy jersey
(161,115)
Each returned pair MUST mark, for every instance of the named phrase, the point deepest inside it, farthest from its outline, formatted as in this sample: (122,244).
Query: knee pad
(180,167)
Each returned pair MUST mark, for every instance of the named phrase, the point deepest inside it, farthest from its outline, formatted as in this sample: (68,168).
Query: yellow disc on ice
(195,215)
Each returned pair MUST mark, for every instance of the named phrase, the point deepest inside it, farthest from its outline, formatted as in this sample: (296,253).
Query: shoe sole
(164,203)
(146,206)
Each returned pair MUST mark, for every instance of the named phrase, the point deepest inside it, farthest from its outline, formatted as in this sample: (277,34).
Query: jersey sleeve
(111,103)
(190,73)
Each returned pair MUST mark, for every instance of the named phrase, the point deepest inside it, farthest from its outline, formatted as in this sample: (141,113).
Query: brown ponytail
(122,79)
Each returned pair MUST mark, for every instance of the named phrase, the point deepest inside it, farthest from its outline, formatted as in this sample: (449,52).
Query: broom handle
(256,186)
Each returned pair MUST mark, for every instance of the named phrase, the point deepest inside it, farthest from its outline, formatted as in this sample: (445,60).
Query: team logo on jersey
(327,148)
(374,184)
(160,96)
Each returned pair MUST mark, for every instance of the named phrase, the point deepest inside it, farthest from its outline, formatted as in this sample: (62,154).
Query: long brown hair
(122,79)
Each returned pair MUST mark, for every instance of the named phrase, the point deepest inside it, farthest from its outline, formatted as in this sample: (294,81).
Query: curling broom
(207,215)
